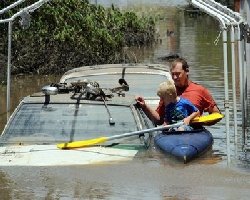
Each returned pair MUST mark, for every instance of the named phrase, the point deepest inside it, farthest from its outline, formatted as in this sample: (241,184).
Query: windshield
(68,122)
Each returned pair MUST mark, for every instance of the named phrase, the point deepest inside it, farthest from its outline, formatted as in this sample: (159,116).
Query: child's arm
(188,119)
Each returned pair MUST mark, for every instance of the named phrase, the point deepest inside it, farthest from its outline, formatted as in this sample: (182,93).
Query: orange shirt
(195,93)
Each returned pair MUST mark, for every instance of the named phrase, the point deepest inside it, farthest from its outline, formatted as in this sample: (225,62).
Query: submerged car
(87,103)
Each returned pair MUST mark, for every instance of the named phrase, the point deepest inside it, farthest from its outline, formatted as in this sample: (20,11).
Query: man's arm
(214,109)
(211,104)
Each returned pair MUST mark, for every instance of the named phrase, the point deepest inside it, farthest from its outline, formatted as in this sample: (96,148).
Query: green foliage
(69,33)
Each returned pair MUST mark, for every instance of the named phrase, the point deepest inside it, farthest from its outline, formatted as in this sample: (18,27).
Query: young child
(176,108)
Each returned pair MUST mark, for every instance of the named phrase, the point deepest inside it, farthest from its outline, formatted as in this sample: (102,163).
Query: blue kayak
(184,145)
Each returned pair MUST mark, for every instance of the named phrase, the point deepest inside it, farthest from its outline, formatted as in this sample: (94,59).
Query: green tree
(64,34)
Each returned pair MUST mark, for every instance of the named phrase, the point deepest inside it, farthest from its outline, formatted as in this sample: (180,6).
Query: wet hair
(184,63)
(167,88)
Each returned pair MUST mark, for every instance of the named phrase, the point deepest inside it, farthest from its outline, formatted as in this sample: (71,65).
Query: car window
(68,122)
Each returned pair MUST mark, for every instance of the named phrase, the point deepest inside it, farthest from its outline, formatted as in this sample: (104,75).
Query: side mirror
(50,90)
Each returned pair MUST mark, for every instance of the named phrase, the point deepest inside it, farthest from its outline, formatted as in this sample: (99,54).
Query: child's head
(167,91)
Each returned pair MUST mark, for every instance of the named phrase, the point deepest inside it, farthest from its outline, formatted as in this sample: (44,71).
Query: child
(176,108)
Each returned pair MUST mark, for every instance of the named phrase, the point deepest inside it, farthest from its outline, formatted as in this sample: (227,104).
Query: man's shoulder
(196,85)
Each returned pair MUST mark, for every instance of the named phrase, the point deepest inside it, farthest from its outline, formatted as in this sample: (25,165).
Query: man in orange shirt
(197,94)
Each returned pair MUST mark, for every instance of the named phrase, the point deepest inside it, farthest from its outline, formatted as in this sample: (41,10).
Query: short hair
(167,88)
(184,63)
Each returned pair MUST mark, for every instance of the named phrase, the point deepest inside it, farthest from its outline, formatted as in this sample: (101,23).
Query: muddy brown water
(151,175)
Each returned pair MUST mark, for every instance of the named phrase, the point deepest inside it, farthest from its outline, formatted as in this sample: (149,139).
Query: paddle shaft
(199,120)
(158,128)
(91,142)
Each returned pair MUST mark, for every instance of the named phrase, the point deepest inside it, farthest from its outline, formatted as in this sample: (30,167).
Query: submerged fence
(231,22)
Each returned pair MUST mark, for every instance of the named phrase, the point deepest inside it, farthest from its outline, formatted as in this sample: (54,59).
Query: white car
(88,102)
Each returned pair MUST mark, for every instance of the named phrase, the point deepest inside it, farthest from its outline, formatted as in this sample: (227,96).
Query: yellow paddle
(206,119)
(203,120)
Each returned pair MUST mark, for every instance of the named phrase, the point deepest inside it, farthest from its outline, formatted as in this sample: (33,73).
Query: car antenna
(102,95)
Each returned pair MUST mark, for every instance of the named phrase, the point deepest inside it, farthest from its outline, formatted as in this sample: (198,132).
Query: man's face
(179,76)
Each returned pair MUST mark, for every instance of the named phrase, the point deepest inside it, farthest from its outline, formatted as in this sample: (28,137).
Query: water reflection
(124,181)
(5,186)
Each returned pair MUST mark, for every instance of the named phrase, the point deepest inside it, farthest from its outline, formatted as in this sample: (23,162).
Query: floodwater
(151,175)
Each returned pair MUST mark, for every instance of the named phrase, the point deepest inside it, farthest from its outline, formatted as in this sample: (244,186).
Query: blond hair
(167,88)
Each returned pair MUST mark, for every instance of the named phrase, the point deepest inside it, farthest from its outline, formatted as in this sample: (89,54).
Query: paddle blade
(206,119)
(82,143)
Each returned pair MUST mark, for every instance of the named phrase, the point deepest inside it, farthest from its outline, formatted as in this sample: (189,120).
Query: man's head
(167,91)
(179,71)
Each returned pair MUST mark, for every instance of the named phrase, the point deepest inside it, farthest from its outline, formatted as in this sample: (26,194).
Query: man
(197,94)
